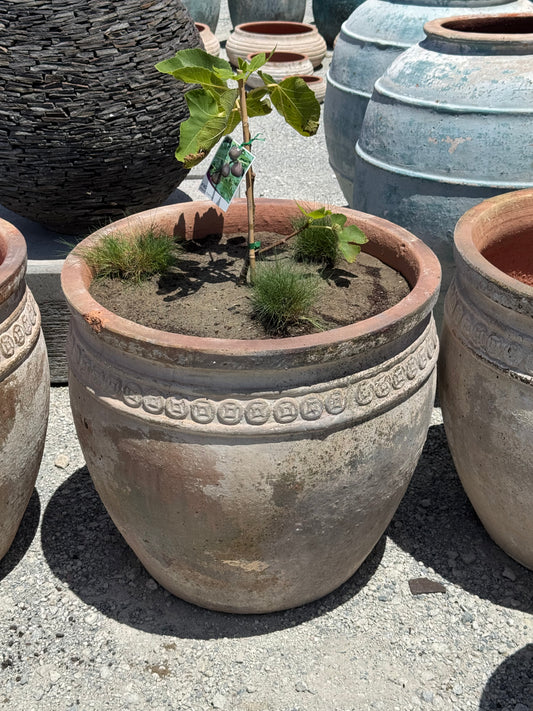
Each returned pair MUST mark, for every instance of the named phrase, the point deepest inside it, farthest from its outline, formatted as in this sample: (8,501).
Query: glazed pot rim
(415,256)
(299,28)
(13,256)
(454,29)
(466,238)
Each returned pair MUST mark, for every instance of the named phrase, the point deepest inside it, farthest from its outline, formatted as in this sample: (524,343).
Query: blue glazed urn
(448,126)
(374,35)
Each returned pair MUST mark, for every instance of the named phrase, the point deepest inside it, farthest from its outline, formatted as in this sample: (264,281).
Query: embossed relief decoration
(339,401)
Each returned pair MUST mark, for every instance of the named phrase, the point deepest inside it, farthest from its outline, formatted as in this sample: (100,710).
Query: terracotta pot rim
(299,28)
(408,250)
(291,57)
(12,257)
(457,29)
(466,238)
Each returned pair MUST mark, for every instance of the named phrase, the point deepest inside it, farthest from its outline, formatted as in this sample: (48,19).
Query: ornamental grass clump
(131,259)
(283,294)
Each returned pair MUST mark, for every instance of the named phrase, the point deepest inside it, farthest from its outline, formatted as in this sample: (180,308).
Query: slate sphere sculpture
(88,126)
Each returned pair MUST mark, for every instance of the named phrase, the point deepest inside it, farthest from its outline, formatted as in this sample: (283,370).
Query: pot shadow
(24,537)
(511,685)
(436,524)
(85,550)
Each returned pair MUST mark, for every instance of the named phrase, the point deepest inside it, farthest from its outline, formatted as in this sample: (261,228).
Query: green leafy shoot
(215,109)
(283,294)
(134,259)
(322,236)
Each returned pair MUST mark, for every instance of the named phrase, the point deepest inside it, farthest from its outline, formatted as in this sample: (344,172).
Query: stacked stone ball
(88,126)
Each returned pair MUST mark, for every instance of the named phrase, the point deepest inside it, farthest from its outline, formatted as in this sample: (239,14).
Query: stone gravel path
(83,626)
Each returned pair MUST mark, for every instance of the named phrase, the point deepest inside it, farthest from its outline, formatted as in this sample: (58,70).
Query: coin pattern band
(18,334)
(341,401)
(499,345)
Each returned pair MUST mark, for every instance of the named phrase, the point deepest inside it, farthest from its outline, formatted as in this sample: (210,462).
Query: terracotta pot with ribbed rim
(208,39)
(253,37)
(280,66)
(24,386)
(254,475)
(486,367)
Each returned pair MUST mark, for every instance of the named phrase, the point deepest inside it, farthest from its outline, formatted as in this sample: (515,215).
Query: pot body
(253,37)
(374,35)
(330,14)
(449,125)
(79,141)
(24,386)
(204,11)
(280,66)
(208,39)
(258,10)
(486,373)
(253,476)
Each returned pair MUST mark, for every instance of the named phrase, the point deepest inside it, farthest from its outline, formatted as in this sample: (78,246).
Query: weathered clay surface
(252,476)
(252,37)
(24,386)
(486,374)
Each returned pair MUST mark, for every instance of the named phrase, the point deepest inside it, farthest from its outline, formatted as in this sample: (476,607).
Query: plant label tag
(224,175)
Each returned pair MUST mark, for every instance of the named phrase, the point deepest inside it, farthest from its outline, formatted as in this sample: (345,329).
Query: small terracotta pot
(316,83)
(280,66)
(24,385)
(208,39)
(253,37)
(254,475)
(486,367)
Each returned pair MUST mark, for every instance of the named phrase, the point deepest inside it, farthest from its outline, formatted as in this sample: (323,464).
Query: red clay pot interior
(282,57)
(503,25)
(513,254)
(502,232)
(276,28)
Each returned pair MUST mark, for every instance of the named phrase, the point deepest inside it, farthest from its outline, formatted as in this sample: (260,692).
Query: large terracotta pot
(88,126)
(24,386)
(486,368)
(374,35)
(255,37)
(258,10)
(204,11)
(252,476)
(449,125)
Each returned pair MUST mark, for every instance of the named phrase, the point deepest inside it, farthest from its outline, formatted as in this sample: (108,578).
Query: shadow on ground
(437,525)
(85,550)
(25,535)
(511,685)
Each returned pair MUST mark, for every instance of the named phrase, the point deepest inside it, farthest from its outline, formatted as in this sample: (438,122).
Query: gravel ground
(83,626)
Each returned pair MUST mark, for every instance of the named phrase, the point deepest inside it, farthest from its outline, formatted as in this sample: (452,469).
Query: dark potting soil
(514,256)
(200,295)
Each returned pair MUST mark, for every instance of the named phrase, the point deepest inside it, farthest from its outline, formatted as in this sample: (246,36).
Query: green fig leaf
(257,62)
(194,66)
(296,102)
(338,219)
(208,121)
(350,240)
(256,104)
